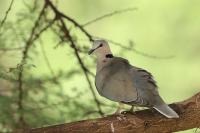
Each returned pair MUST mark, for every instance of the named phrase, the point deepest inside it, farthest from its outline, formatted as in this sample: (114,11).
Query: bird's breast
(116,86)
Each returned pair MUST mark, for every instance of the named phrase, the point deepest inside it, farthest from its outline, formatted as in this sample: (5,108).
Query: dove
(119,81)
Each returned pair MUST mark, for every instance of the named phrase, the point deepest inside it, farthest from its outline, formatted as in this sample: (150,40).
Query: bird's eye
(101,45)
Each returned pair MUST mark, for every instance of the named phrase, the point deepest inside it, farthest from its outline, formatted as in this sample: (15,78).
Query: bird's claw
(128,112)
(121,117)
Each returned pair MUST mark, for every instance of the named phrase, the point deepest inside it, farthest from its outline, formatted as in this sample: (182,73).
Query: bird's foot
(128,112)
(121,116)
(131,111)
(118,113)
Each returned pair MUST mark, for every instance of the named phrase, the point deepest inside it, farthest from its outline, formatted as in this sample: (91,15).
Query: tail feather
(166,111)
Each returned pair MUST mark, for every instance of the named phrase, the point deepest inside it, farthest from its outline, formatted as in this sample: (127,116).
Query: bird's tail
(166,111)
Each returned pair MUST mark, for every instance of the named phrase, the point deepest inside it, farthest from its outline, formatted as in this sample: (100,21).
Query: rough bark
(145,121)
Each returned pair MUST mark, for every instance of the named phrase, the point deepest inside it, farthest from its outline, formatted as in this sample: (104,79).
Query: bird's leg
(132,110)
(118,112)
(119,108)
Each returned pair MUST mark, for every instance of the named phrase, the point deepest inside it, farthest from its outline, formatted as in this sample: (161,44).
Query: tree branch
(83,67)
(28,44)
(145,121)
(131,47)
(108,15)
(60,14)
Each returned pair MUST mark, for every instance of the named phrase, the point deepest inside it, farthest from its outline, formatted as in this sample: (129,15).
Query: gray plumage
(119,81)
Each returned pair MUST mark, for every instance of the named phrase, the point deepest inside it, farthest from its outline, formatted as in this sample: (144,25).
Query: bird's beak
(91,51)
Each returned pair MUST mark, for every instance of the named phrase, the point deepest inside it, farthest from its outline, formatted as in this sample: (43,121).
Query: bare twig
(132,47)
(33,36)
(37,35)
(21,70)
(108,15)
(73,45)
(6,15)
(60,14)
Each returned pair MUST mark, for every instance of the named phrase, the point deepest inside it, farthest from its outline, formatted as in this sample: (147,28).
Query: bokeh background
(166,34)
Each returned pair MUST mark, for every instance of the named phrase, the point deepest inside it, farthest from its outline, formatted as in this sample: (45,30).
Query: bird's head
(100,48)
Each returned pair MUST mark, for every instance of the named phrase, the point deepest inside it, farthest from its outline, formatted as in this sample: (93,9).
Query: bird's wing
(146,87)
(148,93)
(115,81)
(121,82)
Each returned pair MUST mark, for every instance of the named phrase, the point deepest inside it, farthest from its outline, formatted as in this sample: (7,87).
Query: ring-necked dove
(121,82)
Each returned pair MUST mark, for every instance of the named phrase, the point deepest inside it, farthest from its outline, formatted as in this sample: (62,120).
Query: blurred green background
(159,28)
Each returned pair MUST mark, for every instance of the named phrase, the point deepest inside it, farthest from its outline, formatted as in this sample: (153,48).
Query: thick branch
(146,121)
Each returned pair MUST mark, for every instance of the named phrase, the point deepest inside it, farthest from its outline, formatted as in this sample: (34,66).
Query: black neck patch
(109,56)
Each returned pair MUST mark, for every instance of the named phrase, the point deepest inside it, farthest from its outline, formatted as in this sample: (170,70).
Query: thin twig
(108,15)
(21,70)
(6,15)
(60,14)
(67,35)
(37,35)
(132,47)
